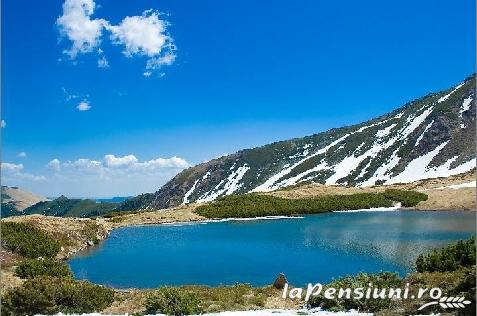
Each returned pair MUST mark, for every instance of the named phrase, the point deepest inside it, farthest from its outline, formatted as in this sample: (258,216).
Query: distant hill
(15,200)
(433,136)
(65,207)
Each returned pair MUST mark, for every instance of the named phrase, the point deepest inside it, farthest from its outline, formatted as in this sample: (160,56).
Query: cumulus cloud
(83,106)
(141,35)
(118,165)
(22,154)
(113,162)
(113,175)
(3,124)
(14,172)
(54,164)
(77,25)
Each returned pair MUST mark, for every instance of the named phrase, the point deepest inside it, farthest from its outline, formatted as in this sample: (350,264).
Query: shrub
(407,198)
(254,205)
(383,280)
(173,301)
(31,268)
(28,241)
(54,295)
(450,258)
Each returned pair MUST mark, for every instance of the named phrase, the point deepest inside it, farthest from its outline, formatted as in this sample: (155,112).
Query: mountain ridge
(429,137)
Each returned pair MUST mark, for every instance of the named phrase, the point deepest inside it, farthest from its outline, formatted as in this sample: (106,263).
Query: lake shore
(451,193)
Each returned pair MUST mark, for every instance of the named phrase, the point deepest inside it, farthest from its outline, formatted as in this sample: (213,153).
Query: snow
(386,131)
(189,193)
(373,209)
(382,173)
(246,219)
(449,94)
(350,163)
(465,107)
(270,184)
(418,168)
(471,184)
(231,185)
(422,135)
(415,122)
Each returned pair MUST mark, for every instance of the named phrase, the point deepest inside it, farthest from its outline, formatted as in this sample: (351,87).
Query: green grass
(28,241)
(255,205)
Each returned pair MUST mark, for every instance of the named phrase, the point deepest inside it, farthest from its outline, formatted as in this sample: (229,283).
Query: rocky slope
(15,200)
(427,138)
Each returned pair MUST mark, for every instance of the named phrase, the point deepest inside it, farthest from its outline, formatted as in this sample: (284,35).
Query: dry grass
(439,199)
(178,214)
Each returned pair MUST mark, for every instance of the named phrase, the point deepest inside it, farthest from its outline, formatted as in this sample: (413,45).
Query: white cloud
(14,173)
(84,165)
(157,63)
(113,161)
(147,74)
(103,62)
(11,167)
(111,176)
(127,165)
(22,154)
(76,24)
(54,164)
(3,124)
(173,162)
(142,35)
(83,106)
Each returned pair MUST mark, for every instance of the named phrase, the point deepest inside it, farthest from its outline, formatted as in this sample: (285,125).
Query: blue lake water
(315,248)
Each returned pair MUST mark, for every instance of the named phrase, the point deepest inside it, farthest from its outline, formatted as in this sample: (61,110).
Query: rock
(280,281)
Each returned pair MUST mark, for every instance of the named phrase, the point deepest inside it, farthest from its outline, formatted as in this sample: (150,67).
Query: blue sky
(222,76)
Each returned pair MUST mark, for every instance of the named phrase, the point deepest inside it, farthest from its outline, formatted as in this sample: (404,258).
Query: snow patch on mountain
(269,185)
(230,186)
(464,108)
(444,98)
(189,193)
(422,135)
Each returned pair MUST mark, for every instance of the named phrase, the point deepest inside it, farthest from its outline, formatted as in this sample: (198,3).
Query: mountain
(15,200)
(433,136)
(65,207)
